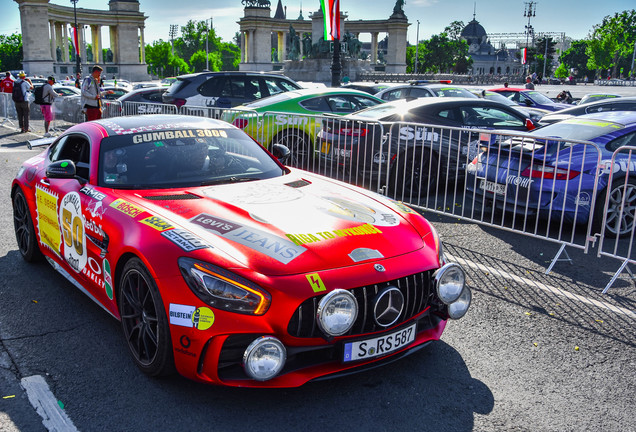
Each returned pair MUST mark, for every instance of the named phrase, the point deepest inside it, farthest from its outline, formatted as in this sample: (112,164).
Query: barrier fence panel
(210,112)
(619,210)
(141,108)
(8,114)
(544,188)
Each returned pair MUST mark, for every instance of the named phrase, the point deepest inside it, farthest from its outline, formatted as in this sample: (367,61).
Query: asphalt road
(535,352)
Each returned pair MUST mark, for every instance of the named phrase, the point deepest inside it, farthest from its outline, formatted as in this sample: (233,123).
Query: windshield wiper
(227,180)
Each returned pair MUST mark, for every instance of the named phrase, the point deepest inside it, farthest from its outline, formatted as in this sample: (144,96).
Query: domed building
(488,60)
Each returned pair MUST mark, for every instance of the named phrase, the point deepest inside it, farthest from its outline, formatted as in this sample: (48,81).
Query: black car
(400,145)
(614,104)
(226,89)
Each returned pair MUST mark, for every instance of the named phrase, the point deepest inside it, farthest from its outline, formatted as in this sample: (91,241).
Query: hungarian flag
(331,14)
(75,40)
(524,52)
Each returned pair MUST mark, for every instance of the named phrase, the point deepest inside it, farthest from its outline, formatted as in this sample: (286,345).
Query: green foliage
(612,42)
(11,52)
(562,71)
(576,58)
(189,51)
(439,54)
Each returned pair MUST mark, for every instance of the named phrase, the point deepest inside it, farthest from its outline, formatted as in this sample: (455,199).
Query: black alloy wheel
(299,145)
(144,321)
(620,220)
(24,231)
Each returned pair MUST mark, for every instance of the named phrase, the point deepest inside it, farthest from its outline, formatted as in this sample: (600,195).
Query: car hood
(287,225)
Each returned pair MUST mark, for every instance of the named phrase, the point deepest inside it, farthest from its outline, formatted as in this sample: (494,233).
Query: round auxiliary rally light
(337,311)
(458,308)
(449,282)
(264,358)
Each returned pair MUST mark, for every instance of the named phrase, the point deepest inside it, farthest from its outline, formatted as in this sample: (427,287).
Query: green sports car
(293,118)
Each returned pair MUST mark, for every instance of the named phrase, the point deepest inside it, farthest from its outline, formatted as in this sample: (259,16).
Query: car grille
(416,289)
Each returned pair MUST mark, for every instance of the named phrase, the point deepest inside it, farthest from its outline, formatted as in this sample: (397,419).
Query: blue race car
(530,98)
(541,174)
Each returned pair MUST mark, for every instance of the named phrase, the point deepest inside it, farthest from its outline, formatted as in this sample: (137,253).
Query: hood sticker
(275,247)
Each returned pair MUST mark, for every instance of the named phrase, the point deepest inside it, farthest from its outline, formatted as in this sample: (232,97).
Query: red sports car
(221,262)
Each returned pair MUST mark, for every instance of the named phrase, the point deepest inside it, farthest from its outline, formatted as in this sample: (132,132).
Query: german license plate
(325,148)
(496,188)
(369,348)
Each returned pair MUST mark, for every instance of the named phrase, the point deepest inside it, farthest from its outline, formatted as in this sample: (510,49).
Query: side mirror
(281,152)
(528,102)
(64,169)
(529,125)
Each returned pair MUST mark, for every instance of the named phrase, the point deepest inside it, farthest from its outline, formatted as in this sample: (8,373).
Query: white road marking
(45,404)
(553,290)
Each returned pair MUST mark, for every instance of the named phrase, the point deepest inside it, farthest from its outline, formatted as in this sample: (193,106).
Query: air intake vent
(175,197)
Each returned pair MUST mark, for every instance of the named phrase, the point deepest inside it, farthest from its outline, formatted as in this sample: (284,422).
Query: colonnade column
(142,43)
(96,43)
(53,39)
(65,53)
(281,46)
(374,48)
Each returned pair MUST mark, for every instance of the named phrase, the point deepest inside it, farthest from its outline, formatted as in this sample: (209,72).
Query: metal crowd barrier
(143,108)
(8,114)
(619,211)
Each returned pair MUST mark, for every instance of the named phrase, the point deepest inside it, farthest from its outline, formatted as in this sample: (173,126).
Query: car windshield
(182,158)
(579,129)
(493,96)
(451,92)
(540,98)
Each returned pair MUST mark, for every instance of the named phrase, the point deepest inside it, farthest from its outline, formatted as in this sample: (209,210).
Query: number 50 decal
(73,231)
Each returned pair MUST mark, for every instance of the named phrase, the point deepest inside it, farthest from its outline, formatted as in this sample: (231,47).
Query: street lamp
(417,45)
(529,11)
(78,66)
(173,32)
(207,37)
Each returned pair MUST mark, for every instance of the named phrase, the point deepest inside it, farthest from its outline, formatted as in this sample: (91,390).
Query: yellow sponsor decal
(316,283)
(48,226)
(157,223)
(203,318)
(186,133)
(593,123)
(126,208)
(301,239)
(403,207)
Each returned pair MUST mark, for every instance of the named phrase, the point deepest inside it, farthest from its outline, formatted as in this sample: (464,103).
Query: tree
(540,52)
(454,30)
(11,52)
(197,61)
(193,39)
(158,57)
(575,58)
(612,42)
(562,71)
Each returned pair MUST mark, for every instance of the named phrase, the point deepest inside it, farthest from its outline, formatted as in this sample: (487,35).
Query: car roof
(155,122)
(627,118)
(306,93)
(514,89)
(233,73)
(600,103)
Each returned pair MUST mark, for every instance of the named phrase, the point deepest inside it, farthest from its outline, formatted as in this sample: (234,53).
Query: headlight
(458,308)
(222,289)
(449,282)
(264,358)
(337,311)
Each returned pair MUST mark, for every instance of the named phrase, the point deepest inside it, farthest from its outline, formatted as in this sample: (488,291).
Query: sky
(575,18)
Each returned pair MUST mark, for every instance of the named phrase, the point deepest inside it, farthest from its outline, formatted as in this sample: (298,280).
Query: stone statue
(353,44)
(109,56)
(58,54)
(307,45)
(398,9)
(89,56)
(256,3)
(294,44)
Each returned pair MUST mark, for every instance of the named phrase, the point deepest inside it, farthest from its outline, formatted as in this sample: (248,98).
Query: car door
(73,228)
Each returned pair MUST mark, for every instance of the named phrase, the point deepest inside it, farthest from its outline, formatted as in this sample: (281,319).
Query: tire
(414,175)
(24,230)
(614,208)
(143,320)
(299,145)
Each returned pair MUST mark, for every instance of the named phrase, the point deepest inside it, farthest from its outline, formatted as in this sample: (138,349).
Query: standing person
(6,85)
(529,84)
(91,94)
(78,81)
(48,96)
(20,97)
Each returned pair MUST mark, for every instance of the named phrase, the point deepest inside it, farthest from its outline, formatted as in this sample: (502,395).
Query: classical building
(488,60)
(258,25)
(46,29)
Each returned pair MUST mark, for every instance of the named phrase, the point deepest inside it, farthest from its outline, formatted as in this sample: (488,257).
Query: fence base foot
(556,258)
(623,266)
